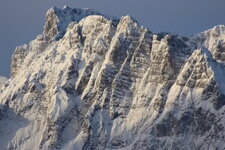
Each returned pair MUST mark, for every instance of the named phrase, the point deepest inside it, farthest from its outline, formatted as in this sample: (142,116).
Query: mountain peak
(57,19)
(217,30)
(214,40)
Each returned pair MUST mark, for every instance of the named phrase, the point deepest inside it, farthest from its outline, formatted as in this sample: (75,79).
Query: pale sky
(22,20)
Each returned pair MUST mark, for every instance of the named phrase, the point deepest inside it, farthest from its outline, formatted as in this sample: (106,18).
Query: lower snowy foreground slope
(92,82)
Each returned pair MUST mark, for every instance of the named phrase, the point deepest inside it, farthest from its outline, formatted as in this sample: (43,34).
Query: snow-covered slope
(95,82)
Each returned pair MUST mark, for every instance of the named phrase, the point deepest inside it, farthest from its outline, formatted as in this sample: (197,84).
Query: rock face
(93,82)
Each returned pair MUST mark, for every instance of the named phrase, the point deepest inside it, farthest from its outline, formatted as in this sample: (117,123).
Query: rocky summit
(94,82)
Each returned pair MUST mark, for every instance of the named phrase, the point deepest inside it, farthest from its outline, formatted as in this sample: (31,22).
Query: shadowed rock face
(93,82)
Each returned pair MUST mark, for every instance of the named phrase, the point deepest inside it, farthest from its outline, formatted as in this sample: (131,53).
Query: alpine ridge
(95,82)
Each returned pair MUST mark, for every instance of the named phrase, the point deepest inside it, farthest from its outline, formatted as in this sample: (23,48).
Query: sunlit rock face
(90,81)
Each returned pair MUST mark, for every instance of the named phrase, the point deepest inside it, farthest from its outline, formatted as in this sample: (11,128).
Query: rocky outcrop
(93,82)
(2,80)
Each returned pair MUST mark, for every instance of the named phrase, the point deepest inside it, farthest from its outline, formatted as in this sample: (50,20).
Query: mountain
(91,81)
